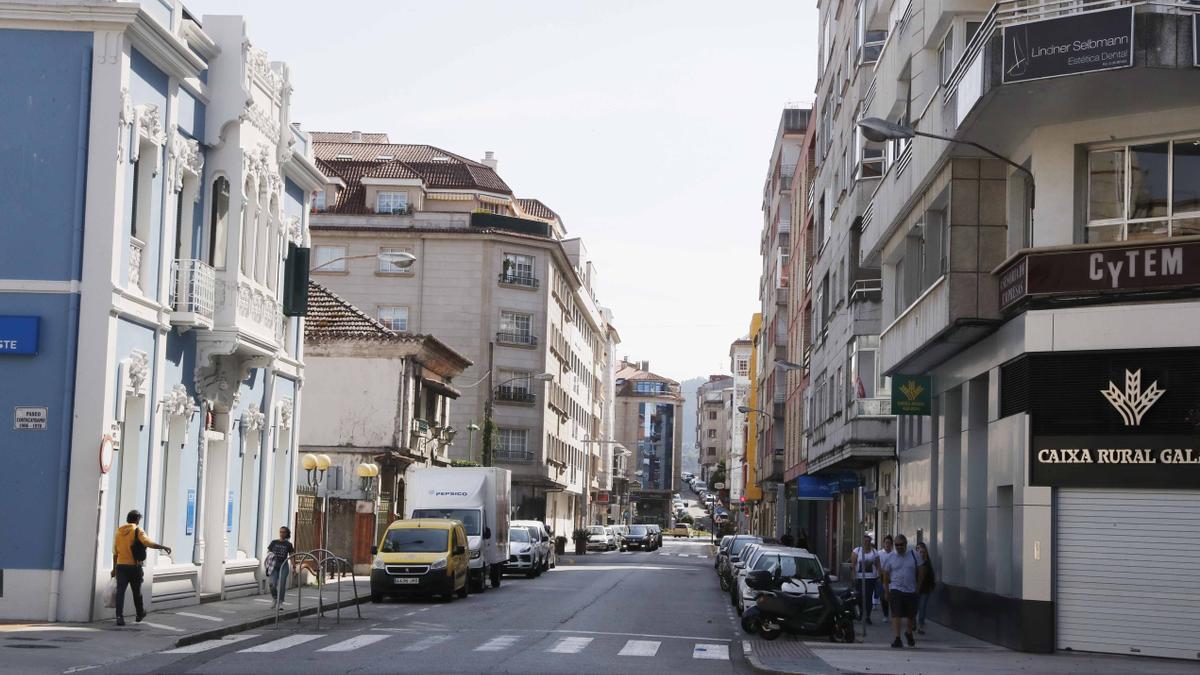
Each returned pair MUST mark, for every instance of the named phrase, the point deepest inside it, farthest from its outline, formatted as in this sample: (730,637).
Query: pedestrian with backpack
(129,555)
(928,583)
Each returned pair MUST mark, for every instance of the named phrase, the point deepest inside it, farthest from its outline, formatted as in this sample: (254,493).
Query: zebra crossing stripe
(280,644)
(498,643)
(431,641)
(356,642)
(640,648)
(683,555)
(210,644)
(714,652)
(570,645)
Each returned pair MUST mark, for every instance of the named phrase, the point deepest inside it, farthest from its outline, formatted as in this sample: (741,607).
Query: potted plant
(581,541)
(560,545)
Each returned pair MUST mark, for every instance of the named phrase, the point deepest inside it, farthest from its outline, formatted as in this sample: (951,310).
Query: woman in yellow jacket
(128,560)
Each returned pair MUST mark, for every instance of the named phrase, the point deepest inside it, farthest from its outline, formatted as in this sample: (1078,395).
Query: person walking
(888,550)
(864,560)
(928,583)
(129,554)
(279,552)
(902,576)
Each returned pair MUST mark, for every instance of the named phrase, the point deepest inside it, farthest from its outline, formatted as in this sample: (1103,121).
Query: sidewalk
(71,647)
(940,650)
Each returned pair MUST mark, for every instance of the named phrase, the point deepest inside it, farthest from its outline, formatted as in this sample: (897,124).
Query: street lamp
(367,471)
(788,365)
(316,466)
(471,429)
(878,130)
(401,260)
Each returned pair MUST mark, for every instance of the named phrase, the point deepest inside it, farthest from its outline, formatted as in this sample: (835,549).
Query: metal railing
(866,289)
(871,407)
(323,562)
(514,455)
(194,282)
(523,280)
(514,395)
(523,339)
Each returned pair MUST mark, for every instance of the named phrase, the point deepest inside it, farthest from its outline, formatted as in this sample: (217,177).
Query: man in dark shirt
(278,569)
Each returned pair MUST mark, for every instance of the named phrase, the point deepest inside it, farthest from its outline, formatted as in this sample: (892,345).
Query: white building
(164,365)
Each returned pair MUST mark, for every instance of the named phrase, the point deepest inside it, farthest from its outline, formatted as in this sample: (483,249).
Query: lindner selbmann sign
(1068,45)
(1115,419)
(1111,270)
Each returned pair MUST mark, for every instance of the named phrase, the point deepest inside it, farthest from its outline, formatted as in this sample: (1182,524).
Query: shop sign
(1069,45)
(1166,461)
(602,497)
(1110,270)
(912,394)
(190,521)
(19,335)
(825,486)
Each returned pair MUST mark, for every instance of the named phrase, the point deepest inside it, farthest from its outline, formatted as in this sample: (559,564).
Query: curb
(217,633)
(808,666)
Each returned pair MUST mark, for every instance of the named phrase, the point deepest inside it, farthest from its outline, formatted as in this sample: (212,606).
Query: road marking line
(498,643)
(162,626)
(746,648)
(570,645)
(200,616)
(431,641)
(210,644)
(410,614)
(640,648)
(279,645)
(640,635)
(356,642)
(714,652)
(263,600)
(683,555)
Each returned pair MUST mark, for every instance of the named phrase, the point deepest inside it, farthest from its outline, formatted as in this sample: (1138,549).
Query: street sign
(19,335)
(719,486)
(29,418)
(912,394)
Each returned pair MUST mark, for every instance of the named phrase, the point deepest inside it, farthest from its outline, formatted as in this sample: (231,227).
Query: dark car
(731,553)
(639,537)
(656,531)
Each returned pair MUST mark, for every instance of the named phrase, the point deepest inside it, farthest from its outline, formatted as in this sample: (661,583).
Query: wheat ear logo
(911,390)
(1134,401)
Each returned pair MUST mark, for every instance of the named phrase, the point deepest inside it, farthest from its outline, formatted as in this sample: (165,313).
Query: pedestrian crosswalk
(596,644)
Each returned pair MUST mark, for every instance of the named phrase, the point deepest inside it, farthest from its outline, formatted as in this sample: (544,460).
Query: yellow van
(421,556)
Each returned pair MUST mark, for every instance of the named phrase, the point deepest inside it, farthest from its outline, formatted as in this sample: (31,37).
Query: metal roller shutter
(1126,572)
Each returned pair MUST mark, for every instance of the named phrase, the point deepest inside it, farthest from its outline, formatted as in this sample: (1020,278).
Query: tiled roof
(353,198)
(438,168)
(346,137)
(535,208)
(331,317)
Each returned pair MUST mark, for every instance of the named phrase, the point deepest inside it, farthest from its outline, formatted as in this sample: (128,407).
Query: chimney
(356,137)
(489,160)
(644,366)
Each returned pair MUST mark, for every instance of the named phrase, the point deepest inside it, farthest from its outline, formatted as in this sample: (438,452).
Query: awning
(450,196)
(440,387)
(494,200)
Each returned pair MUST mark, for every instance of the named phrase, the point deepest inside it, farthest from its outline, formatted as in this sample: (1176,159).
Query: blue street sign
(19,334)
(825,486)
(229,513)
(191,512)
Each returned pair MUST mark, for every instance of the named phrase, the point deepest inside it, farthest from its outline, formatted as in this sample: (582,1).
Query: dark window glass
(1148,180)
(468,517)
(1187,176)
(417,540)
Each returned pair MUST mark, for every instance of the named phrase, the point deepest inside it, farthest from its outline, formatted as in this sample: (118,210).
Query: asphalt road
(633,612)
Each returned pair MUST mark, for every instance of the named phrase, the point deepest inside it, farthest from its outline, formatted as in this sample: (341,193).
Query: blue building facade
(157,188)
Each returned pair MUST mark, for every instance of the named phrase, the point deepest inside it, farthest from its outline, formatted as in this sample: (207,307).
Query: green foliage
(463,462)
(718,474)
(685,520)
(489,432)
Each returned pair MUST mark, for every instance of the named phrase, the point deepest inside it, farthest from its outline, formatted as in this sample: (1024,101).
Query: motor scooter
(775,612)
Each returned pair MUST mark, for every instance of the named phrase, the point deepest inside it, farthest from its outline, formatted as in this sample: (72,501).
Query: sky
(647,125)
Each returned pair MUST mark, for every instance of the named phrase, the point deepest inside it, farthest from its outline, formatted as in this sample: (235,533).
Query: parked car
(601,537)
(699,486)
(793,563)
(722,547)
(422,556)
(524,553)
(639,537)
(727,558)
(545,541)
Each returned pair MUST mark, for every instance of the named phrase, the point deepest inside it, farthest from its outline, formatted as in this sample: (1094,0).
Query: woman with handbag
(927,585)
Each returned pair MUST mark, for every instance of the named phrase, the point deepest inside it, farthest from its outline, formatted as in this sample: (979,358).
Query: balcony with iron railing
(519,280)
(516,339)
(870,407)
(514,455)
(193,290)
(515,395)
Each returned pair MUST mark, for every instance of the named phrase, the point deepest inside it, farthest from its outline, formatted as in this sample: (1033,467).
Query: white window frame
(323,264)
(1124,221)
(513,441)
(518,323)
(389,315)
(391,202)
(318,201)
(385,266)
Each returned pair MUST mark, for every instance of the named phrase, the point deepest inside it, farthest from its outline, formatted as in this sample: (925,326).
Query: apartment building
(713,401)
(649,422)
(740,352)
(1047,326)
(495,279)
(152,354)
(850,432)
(773,292)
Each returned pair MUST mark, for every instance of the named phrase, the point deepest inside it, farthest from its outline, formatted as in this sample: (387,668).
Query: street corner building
(150,257)
(649,422)
(374,397)
(1036,241)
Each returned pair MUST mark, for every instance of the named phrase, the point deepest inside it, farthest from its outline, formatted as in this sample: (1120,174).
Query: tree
(718,474)
(489,431)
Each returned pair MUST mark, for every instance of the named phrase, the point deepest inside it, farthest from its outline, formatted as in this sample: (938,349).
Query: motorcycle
(775,612)
(851,598)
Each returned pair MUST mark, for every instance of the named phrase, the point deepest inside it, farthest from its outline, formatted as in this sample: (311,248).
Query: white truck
(477,496)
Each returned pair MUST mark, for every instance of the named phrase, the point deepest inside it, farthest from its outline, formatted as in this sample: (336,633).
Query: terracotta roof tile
(346,137)
(535,208)
(331,317)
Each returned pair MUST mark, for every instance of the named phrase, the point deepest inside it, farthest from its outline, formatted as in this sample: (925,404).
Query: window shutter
(295,281)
